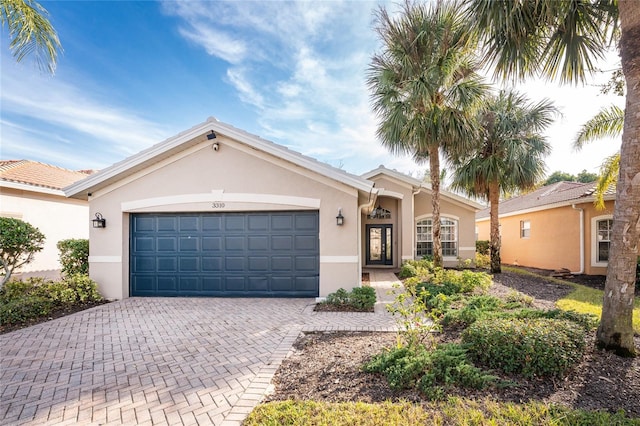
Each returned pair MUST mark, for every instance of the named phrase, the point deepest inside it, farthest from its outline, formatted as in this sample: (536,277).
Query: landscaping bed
(328,367)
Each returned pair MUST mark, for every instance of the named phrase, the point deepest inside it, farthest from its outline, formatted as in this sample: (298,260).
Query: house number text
(217,205)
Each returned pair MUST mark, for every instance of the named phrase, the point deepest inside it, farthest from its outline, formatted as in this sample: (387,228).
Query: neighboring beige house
(554,227)
(216,211)
(32,191)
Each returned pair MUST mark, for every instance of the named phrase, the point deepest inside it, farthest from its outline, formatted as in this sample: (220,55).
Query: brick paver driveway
(153,361)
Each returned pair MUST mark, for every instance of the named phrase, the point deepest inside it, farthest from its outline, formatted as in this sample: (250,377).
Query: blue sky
(134,73)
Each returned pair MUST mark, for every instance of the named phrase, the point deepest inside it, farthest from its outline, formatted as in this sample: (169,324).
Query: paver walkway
(160,360)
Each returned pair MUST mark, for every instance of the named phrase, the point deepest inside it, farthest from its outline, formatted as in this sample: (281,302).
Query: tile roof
(557,193)
(38,174)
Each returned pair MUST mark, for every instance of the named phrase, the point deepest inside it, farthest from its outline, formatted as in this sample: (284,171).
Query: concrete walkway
(157,361)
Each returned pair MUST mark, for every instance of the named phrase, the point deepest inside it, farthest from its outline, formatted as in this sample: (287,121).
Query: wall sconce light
(211,135)
(99,221)
(339,218)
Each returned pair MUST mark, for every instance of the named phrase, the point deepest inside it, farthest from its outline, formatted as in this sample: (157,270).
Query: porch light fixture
(99,221)
(339,218)
(211,135)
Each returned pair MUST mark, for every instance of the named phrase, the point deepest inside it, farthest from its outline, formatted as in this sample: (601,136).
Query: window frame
(429,236)
(595,261)
(525,231)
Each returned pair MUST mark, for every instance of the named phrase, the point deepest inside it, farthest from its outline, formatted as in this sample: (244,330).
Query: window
(525,229)
(448,237)
(603,239)
(601,230)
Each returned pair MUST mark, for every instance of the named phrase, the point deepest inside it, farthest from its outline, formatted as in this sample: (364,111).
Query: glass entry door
(379,241)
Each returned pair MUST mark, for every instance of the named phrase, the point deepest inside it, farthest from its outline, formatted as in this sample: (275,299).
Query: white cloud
(216,43)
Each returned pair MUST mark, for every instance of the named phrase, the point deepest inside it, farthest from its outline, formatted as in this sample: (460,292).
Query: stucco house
(555,227)
(32,191)
(216,211)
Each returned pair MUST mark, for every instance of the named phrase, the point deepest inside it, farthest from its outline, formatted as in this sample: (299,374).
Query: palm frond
(609,171)
(30,32)
(608,122)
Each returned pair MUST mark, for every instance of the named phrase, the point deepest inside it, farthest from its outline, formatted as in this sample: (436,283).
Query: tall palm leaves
(609,122)
(30,32)
(563,38)
(425,89)
(508,156)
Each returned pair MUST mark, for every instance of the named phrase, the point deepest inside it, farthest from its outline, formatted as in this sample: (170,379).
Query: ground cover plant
(33,300)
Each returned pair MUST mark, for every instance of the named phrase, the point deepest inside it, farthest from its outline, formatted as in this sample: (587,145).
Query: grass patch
(582,299)
(453,411)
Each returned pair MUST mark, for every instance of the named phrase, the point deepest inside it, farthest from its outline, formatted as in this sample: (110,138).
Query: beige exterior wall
(554,240)
(407,208)
(463,214)
(56,216)
(241,178)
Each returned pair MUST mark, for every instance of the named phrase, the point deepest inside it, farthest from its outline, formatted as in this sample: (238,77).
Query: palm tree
(609,122)
(425,88)
(508,156)
(30,32)
(564,38)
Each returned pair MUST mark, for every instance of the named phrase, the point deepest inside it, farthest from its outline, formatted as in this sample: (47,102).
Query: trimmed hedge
(532,347)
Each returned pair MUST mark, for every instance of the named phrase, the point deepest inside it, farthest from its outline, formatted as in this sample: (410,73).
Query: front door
(379,241)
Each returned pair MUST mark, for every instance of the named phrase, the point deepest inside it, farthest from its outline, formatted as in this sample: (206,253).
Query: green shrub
(85,288)
(363,297)
(482,247)
(535,347)
(74,256)
(431,372)
(19,241)
(402,366)
(24,309)
(360,298)
(474,309)
(407,270)
(482,261)
(518,297)
(16,289)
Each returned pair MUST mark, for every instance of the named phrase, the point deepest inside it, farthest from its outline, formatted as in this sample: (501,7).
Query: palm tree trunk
(434,171)
(494,200)
(616,329)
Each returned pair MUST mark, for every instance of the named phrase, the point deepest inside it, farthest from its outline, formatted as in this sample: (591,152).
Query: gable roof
(555,195)
(417,184)
(36,176)
(187,138)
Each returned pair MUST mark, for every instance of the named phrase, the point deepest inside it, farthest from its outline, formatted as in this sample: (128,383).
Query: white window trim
(522,228)
(442,216)
(594,240)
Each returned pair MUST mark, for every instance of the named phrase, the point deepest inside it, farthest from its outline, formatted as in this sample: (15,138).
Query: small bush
(21,301)
(407,270)
(430,371)
(24,309)
(19,242)
(518,297)
(74,256)
(360,298)
(538,347)
(483,261)
(482,247)
(474,308)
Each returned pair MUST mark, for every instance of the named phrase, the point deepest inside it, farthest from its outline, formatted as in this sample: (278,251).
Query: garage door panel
(234,243)
(167,284)
(189,244)
(210,264)
(168,244)
(259,242)
(167,264)
(258,222)
(272,254)
(190,264)
(167,224)
(282,242)
(189,223)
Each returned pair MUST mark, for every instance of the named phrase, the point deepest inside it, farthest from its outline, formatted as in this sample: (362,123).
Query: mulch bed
(326,367)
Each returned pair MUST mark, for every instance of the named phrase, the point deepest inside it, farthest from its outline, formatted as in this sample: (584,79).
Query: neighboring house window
(601,227)
(525,229)
(448,237)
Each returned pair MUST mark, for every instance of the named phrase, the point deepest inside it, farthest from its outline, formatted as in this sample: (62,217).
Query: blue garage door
(262,254)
